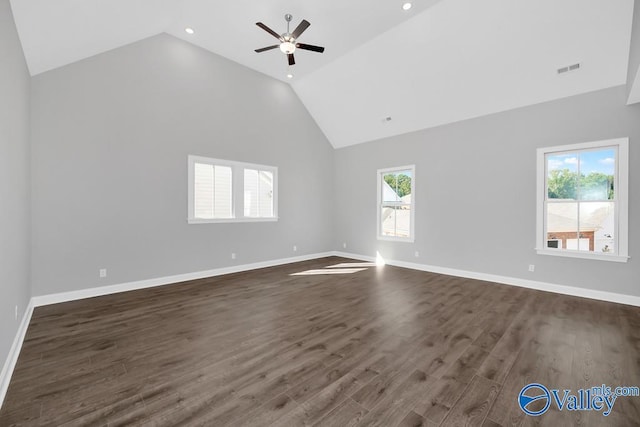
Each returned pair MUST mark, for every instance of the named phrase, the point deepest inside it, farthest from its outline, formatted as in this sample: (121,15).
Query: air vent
(569,68)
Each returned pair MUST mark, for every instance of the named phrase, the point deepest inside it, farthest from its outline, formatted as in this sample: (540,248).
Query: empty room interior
(320,213)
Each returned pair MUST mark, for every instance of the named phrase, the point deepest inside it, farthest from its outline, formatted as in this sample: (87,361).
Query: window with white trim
(582,200)
(396,203)
(229,191)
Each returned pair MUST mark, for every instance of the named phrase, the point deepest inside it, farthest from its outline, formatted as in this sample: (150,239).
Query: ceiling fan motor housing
(288,44)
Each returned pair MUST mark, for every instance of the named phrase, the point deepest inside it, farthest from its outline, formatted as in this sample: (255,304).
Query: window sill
(396,239)
(229,220)
(583,255)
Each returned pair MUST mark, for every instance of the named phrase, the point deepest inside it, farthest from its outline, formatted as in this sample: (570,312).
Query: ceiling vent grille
(569,68)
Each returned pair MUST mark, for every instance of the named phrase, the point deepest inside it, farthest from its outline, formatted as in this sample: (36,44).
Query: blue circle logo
(534,395)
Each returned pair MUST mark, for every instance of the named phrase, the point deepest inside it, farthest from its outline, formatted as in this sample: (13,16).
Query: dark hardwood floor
(380,346)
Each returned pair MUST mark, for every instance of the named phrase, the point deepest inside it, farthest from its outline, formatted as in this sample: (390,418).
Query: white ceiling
(467,58)
(440,62)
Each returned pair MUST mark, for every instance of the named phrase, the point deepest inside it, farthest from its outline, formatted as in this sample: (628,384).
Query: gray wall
(14,180)
(475,191)
(634,56)
(110,139)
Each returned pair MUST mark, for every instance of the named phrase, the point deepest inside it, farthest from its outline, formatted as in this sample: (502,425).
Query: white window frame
(237,190)
(379,176)
(621,200)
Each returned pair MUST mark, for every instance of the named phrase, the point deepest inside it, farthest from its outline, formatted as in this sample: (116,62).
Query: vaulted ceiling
(385,71)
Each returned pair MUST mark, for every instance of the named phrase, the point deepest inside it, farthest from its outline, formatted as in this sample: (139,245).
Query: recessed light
(289,75)
(189,30)
(406,6)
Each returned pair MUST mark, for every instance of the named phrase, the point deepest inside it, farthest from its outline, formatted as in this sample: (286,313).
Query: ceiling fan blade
(310,47)
(300,28)
(267,48)
(268,30)
(292,61)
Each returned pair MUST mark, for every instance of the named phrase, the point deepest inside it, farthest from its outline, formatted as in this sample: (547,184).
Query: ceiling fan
(288,41)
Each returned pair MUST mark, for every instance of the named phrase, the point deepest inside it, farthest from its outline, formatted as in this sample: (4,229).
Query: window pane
(597,222)
(203,191)
(597,171)
(581,244)
(396,221)
(561,225)
(562,176)
(265,194)
(390,188)
(222,192)
(251,192)
(388,221)
(258,193)
(396,187)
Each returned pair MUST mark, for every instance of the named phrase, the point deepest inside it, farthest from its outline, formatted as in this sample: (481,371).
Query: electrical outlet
(532,268)
(16,312)
(295,248)
(417,254)
(103,273)
(344,245)
(233,255)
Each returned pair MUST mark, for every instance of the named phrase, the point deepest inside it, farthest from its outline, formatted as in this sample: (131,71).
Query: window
(396,204)
(228,191)
(582,200)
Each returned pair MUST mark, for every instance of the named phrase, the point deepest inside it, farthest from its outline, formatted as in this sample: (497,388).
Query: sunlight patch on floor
(353,265)
(329,271)
(344,267)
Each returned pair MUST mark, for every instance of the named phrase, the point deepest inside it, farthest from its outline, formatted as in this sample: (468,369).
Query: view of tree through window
(400,183)
(565,184)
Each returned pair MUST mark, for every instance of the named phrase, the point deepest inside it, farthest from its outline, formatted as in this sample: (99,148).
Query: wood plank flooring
(380,346)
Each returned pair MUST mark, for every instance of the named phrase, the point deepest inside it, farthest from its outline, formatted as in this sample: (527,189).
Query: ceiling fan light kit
(287,47)
(288,40)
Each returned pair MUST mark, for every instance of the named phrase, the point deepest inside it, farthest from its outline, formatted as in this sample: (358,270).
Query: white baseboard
(513,281)
(14,352)
(167,280)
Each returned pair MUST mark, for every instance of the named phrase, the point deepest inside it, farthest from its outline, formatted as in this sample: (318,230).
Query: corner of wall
(15,227)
